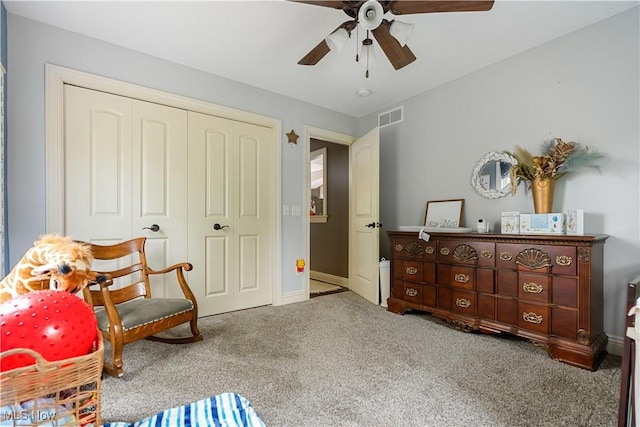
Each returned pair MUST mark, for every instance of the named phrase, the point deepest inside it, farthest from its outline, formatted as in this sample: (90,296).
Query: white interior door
(231,194)
(125,169)
(364,216)
(97,165)
(159,188)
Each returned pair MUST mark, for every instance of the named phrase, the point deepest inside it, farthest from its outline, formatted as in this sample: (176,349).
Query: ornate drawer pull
(445,251)
(532,288)
(411,292)
(411,270)
(399,247)
(461,278)
(464,303)
(429,249)
(506,256)
(531,318)
(486,254)
(564,260)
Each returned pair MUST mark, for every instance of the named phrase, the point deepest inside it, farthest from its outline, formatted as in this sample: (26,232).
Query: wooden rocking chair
(129,313)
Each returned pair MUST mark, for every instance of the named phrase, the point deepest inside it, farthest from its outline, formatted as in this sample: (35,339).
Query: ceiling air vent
(390,117)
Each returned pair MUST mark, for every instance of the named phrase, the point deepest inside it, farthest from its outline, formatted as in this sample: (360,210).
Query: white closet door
(97,164)
(231,205)
(125,169)
(159,188)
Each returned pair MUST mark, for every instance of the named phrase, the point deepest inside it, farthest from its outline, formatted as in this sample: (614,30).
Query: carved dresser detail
(545,288)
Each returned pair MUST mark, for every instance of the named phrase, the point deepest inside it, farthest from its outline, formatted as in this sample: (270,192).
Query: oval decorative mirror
(490,176)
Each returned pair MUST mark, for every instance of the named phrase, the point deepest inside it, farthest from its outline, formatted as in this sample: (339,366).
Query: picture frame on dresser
(444,213)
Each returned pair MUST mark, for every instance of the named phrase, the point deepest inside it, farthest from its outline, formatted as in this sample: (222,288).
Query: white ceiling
(260,42)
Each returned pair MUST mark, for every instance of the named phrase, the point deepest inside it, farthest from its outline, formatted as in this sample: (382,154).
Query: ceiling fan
(390,35)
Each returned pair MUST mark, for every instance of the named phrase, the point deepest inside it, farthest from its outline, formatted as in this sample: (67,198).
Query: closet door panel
(159,187)
(255,204)
(211,184)
(97,165)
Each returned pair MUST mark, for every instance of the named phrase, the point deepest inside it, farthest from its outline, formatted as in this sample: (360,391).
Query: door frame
(328,136)
(55,79)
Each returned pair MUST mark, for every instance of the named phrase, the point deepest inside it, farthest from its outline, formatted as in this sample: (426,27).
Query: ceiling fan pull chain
(357,43)
(368,45)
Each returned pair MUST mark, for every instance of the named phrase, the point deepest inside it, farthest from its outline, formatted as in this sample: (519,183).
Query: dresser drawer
(456,276)
(564,260)
(543,258)
(534,317)
(420,294)
(416,271)
(464,302)
(411,270)
(467,253)
(412,293)
(506,254)
(414,249)
(534,287)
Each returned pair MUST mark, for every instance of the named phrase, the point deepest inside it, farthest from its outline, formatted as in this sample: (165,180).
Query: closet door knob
(155,228)
(217,226)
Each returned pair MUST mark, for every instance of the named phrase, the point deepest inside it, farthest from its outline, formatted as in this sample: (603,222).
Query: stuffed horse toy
(60,261)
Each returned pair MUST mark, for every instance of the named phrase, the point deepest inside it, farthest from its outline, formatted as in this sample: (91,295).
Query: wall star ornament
(293,138)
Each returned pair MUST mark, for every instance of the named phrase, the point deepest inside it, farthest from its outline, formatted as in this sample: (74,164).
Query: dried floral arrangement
(558,159)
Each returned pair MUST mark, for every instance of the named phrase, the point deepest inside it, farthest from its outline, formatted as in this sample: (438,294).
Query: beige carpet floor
(339,360)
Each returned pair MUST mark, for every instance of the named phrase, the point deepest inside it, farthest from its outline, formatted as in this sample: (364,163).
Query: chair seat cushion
(138,312)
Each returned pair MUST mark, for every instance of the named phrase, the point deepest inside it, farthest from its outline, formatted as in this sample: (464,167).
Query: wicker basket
(61,393)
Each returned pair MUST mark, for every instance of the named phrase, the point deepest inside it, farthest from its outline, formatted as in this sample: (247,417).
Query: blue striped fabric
(222,410)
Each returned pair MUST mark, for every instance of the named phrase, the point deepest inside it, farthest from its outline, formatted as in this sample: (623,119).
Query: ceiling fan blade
(405,7)
(399,56)
(334,4)
(315,54)
(322,48)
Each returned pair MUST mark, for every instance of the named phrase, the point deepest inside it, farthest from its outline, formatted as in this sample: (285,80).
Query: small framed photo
(575,221)
(510,223)
(444,213)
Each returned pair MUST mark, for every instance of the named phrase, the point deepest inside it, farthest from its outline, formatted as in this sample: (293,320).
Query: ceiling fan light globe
(370,15)
(337,39)
(401,31)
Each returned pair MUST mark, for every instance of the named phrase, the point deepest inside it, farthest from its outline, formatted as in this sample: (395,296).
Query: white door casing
(364,216)
(230,214)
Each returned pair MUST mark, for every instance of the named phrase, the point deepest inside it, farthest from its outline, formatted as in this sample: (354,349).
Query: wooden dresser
(541,287)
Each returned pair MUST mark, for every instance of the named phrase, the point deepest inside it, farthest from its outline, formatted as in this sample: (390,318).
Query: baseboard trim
(615,346)
(329,278)
(293,297)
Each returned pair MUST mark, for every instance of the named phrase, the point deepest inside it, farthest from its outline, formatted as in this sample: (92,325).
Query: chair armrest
(180,268)
(183,265)
(115,323)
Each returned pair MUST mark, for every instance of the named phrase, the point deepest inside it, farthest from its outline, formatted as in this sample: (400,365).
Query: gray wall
(32,44)
(582,87)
